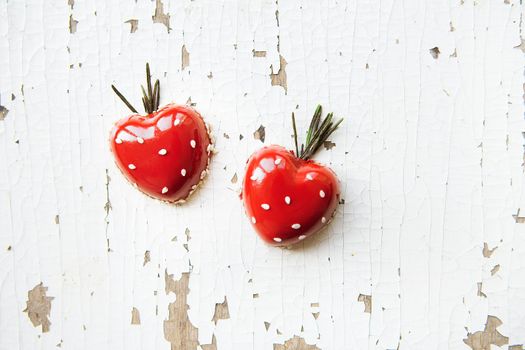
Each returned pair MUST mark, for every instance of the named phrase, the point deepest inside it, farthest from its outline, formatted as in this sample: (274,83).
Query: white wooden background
(427,251)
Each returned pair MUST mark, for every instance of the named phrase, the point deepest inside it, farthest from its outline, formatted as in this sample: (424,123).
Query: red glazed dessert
(288,197)
(166,152)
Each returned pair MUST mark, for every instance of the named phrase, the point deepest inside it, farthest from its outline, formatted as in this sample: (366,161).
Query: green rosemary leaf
(147,101)
(154,97)
(295,135)
(324,125)
(123,99)
(148,82)
(157,97)
(314,124)
(324,136)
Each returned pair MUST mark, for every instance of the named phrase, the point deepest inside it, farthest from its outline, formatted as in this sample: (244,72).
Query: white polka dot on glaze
(193,143)
(164,190)
(277,239)
(265,206)
(287,200)
(132,166)
(277,161)
(183,172)
(163,152)
(296,226)
(309,177)
(322,194)
(301,237)
(140,140)
(253,220)
(323,220)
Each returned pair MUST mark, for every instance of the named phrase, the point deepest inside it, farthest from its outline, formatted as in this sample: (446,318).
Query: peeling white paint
(429,156)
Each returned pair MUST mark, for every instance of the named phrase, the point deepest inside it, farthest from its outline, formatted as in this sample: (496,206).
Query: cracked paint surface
(185,59)
(178,329)
(482,340)
(38,307)
(430,158)
(279,77)
(296,343)
(135,316)
(221,311)
(160,16)
(134,25)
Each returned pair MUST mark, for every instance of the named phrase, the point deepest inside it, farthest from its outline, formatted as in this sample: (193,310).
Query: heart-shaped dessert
(289,197)
(164,153)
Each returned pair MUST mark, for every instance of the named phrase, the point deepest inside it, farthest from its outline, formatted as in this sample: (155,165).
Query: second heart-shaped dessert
(288,198)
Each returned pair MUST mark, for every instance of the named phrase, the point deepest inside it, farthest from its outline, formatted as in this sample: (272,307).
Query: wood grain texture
(430,157)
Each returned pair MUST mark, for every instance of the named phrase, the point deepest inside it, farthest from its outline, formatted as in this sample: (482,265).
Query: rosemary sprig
(124,99)
(150,99)
(318,132)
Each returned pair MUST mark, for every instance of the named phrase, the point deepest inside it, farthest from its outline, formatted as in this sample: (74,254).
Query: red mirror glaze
(287,198)
(165,153)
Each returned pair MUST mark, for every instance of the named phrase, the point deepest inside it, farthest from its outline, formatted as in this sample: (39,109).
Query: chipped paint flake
(3,112)
(521,46)
(178,329)
(279,78)
(480,293)
(134,25)
(487,253)
(296,343)
(259,53)
(221,311)
(517,218)
(328,145)
(260,133)
(147,257)
(38,307)
(434,52)
(185,60)
(160,16)
(72,24)
(212,346)
(135,316)
(482,340)
(367,300)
